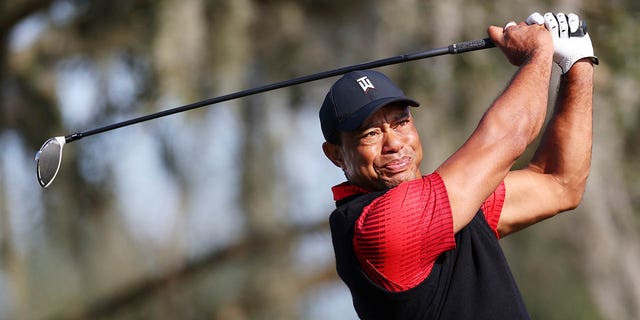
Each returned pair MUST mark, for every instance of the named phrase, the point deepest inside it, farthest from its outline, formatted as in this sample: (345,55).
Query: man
(410,246)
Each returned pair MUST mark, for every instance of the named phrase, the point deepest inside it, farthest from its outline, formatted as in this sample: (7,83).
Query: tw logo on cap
(365,84)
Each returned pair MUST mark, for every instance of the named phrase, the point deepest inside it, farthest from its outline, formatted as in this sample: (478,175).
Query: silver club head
(48,160)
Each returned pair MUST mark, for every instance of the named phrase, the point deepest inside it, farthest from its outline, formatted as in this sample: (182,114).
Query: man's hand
(571,41)
(521,42)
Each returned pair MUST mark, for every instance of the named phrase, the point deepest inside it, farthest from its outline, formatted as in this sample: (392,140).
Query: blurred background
(222,212)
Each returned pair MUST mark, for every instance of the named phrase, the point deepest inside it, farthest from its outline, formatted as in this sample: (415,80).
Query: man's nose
(392,142)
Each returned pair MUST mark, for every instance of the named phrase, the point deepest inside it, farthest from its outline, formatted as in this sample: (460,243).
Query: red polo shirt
(399,235)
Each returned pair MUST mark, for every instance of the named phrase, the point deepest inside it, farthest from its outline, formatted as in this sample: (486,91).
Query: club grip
(472,45)
(582,30)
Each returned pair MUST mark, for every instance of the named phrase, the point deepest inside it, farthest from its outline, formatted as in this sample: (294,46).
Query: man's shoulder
(350,208)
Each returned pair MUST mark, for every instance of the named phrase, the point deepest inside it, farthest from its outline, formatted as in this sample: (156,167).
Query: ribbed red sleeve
(400,234)
(492,208)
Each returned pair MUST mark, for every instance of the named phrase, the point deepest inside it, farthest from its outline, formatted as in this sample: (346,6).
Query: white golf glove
(571,41)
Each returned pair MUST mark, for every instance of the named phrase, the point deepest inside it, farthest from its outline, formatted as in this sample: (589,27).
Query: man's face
(384,152)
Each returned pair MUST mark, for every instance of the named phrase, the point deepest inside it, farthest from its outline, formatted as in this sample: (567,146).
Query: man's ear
(334,153)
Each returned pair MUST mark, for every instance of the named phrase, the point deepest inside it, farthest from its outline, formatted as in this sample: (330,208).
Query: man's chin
(400,178)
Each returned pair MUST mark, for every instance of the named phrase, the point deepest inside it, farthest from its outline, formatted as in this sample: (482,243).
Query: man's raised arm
(513,121)
(555,179)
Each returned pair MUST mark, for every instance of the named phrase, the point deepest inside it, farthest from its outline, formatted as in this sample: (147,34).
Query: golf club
(49,157)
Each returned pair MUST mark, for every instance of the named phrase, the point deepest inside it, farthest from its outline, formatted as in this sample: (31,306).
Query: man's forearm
(525,99)
(565,150)
(517,115)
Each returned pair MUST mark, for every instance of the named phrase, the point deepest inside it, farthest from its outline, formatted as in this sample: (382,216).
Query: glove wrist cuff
(567,62)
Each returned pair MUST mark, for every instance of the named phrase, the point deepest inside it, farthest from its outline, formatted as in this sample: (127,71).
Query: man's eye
(402,123)
(369,134)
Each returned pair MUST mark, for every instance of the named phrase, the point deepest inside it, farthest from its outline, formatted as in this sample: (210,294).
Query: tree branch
(138,292)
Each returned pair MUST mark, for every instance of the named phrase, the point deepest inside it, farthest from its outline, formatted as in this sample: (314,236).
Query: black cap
(353,98)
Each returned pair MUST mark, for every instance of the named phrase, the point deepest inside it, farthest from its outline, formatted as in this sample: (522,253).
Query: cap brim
(354,121)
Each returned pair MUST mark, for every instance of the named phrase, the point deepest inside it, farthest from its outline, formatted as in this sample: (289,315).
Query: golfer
(413,246)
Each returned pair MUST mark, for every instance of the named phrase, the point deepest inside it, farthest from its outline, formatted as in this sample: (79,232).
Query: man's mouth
(398,165)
